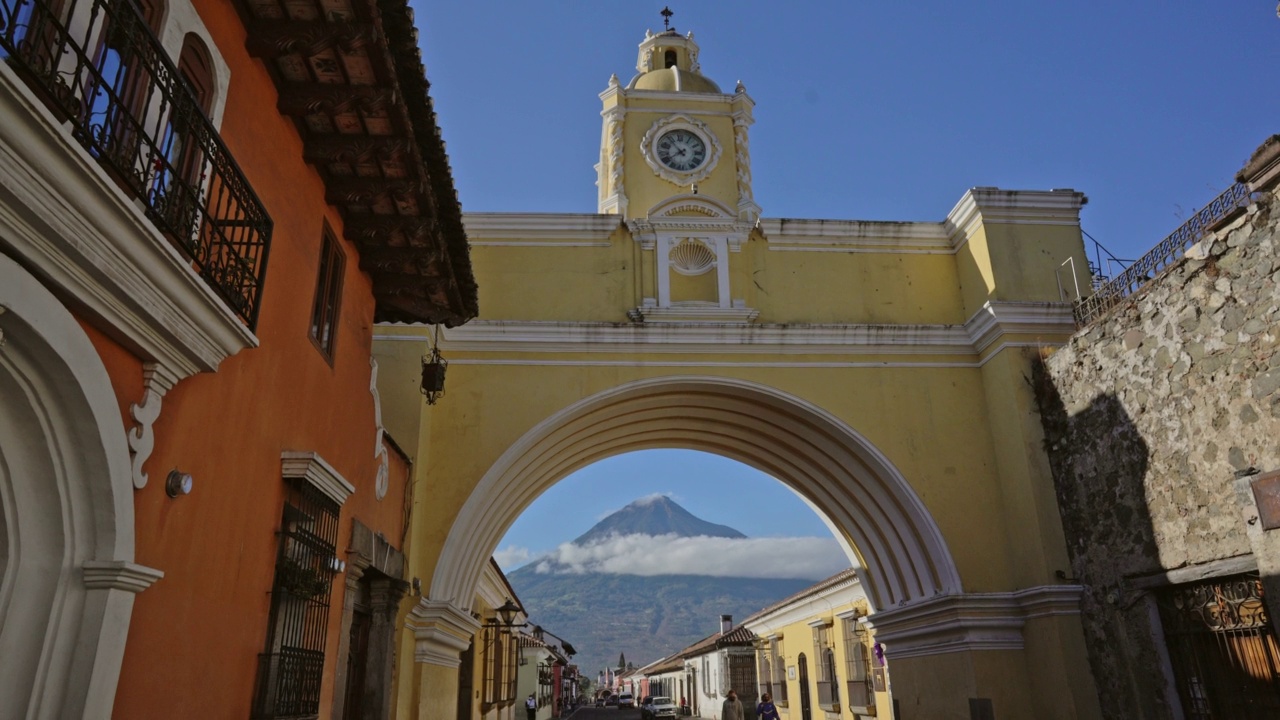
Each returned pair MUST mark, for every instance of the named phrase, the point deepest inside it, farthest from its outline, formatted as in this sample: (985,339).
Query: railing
(98,65)
(1145,268)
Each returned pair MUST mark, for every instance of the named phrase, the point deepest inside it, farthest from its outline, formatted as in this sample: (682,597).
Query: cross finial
(666,17)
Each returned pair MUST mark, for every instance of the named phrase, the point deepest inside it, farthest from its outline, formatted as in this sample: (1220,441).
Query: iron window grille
(498,681)
(828,688)
(98,66)
(1224,652)
(291,668)
(857,666)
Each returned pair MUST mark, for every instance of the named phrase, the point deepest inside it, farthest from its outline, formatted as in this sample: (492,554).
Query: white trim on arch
(899,547)
(67,576)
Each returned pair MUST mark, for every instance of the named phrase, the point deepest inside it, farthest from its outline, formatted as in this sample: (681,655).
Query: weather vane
(666,17)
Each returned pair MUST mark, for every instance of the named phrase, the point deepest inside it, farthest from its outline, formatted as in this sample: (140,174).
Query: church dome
(673,79)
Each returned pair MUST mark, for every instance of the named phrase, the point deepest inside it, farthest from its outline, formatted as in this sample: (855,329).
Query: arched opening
(669,59)
(885,528)
(195,64)
(67,579)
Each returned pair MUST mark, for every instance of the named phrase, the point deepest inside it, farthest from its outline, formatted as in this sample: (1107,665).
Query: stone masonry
(1156,417)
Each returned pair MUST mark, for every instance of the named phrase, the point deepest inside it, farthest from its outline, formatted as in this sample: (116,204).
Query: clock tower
(675,164)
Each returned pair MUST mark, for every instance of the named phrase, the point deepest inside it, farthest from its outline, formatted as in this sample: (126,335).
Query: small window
(324,310)
(670,59)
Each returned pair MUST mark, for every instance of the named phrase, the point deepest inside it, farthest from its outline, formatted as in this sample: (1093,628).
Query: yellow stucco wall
(947,317)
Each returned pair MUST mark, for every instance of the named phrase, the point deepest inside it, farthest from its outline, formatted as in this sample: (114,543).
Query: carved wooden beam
(270,39)
(418,310)
(354,148)
(418,261)
(364,191)
(332,98)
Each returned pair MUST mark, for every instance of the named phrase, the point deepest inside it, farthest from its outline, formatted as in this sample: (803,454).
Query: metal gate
(1223,649)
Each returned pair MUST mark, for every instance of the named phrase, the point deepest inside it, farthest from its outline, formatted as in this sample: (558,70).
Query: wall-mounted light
(178,483)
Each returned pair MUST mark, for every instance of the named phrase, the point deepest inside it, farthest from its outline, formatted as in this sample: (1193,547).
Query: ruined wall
(1151,414)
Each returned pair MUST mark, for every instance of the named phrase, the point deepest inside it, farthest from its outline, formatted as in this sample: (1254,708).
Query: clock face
(681,150)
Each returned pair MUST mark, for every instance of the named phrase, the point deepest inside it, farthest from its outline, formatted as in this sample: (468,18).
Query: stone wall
(1155,417)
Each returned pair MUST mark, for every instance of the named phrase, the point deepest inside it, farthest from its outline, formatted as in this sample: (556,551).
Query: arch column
(441,633)
(67,576)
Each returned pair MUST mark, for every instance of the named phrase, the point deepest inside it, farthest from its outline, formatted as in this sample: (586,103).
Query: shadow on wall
(1099,461)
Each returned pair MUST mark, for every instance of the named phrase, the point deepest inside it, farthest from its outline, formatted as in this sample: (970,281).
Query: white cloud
(512,557)
(800,557)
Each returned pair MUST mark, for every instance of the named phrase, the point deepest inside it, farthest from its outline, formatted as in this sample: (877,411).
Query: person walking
(766,710)
(531,707)
(732,708)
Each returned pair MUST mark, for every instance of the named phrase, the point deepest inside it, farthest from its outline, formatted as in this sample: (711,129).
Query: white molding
(75,228)
(156,381)
(441,632)
(118,575)
(382,479)
(693,313)
(969,622)
(681,121)
(978,335)
(311,467)
(682,98)
(786,234)
(540,229)
(990,205)
(769,623)
(997,318)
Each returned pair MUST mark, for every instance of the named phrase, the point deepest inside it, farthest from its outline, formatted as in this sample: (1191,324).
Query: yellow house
(816,656)
(878,368)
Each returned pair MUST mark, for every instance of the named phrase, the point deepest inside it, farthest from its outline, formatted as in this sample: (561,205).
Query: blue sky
(864,110)
(879,110)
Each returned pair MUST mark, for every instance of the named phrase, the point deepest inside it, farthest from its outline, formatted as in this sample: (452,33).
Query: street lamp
(506,613)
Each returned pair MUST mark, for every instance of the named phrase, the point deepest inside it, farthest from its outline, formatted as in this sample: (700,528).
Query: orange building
(204,208)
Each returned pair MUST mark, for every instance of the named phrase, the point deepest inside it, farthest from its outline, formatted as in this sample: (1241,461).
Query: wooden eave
(350,74)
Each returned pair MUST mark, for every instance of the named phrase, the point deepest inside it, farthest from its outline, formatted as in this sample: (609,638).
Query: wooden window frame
(326,304)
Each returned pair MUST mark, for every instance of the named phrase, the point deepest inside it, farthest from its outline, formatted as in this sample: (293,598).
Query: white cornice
(118,575)
(74,227)
(682,98)
(530,228)
(996,319)
(313,468)
(821,604)
(964,623)
(978,334)
(856,236)
(1012,207)
(441,632)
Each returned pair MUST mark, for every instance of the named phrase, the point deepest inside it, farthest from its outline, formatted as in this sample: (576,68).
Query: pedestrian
(531,707)
(731,709)
(765,710)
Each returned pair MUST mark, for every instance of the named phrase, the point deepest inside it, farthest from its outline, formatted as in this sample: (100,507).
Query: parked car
(612,701)
(644,706)
(626,700)
(659,708)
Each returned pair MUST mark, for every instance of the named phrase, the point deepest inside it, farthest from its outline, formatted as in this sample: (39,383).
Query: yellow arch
(899,548)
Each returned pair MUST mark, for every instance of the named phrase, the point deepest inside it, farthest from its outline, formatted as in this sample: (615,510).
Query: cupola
(668,62)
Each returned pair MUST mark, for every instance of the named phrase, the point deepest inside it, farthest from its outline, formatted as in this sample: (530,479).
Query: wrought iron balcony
(1161,256)
(98,66)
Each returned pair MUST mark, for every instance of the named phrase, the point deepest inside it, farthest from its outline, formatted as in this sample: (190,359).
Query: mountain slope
(648,617)
(654,516)
(645,617)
